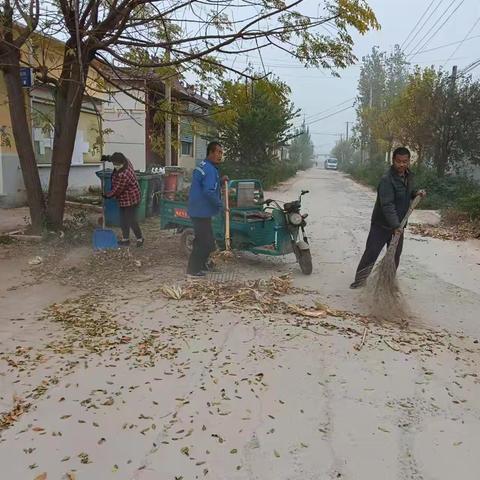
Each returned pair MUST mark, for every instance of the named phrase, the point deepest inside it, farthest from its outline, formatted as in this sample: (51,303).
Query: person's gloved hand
(225,179)
(422,193)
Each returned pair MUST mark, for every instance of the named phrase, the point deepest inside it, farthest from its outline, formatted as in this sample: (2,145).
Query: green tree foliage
(301,148)
(253,121)
(382,78)
(435,113)
(345,153)
(135,36)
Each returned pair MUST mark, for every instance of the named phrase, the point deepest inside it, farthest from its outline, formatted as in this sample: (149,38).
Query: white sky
(315,91)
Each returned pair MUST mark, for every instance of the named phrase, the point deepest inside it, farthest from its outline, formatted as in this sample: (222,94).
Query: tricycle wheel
(304,258)
(186,241)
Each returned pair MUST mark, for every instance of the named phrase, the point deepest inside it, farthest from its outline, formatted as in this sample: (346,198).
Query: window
(186,139)
(187,148)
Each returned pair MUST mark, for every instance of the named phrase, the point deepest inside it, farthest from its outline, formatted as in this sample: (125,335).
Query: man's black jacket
(394,194)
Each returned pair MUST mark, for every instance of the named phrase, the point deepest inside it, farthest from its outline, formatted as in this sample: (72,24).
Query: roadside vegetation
(433,112)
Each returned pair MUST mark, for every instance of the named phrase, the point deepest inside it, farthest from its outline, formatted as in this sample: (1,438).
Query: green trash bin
(143,180)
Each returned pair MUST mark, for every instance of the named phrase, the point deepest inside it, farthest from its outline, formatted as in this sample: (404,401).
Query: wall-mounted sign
(26,77)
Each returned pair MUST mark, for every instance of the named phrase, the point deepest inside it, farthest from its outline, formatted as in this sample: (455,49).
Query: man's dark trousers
(377,239)
(203,245)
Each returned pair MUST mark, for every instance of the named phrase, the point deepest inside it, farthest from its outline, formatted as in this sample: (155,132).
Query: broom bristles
(383,286)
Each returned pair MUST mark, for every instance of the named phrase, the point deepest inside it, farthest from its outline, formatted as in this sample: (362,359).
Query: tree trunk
(420,156)
(68,105)
(23,140)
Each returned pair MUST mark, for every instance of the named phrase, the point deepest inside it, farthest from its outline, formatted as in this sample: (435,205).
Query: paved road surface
(440,279)
(245,395)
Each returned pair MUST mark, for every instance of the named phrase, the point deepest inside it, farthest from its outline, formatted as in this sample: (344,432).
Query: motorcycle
(295,223)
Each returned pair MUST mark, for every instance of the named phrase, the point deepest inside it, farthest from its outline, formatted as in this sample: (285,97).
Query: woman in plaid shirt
(126,190)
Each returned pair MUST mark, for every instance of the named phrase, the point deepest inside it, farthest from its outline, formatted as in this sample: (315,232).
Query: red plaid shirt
(125,187)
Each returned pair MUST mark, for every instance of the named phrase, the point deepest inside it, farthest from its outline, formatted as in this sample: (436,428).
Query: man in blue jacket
(205,201)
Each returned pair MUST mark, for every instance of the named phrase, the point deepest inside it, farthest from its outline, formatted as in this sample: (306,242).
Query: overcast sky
(318,94)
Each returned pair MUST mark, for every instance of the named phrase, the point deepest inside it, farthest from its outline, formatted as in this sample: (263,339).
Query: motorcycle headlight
(295,218)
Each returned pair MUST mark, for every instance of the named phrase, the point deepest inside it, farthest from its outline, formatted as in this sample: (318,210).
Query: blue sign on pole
(26,76)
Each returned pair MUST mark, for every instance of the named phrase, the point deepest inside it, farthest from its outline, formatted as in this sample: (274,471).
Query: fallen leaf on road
(84,458)
(175,292)
(276,454)
(389,345)
(36,261)
(307,313)
(42,476)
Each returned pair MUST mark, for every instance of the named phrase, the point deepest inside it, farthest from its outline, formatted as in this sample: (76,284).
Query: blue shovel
(103,238)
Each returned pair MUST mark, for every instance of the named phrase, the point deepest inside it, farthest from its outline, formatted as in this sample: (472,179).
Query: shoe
(124,242)
(196,275)
(210,268)
(356,285)
(140,242)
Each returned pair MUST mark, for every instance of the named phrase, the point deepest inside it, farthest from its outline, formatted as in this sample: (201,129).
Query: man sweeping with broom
(394,194)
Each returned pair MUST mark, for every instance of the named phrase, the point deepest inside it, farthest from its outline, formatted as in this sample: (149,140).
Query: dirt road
(230,382)
(440,279)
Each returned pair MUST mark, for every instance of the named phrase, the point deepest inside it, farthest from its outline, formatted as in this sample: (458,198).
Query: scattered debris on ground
(9,418)
(457,228)
(263,296)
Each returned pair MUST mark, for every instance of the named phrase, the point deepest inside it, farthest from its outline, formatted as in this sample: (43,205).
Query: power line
(463,41)
(326,134)
(440,27)
(417,24)
(311,117)
(448,45)
(470,67)
(424,24)
(443,24)
(331,115)
(432,27)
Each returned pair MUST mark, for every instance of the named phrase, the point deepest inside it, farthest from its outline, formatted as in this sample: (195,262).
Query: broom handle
(103,198)
(396,237)
(227,218)
(413,205)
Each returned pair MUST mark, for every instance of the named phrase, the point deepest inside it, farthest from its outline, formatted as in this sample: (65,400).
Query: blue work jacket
(205,199)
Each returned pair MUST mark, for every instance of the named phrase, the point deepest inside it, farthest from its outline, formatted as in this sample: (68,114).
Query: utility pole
(348,123)
(454,78)
(441,167)
(168,116)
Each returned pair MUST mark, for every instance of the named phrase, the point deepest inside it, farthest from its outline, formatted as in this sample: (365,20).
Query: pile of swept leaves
(454,226)
(263,296)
